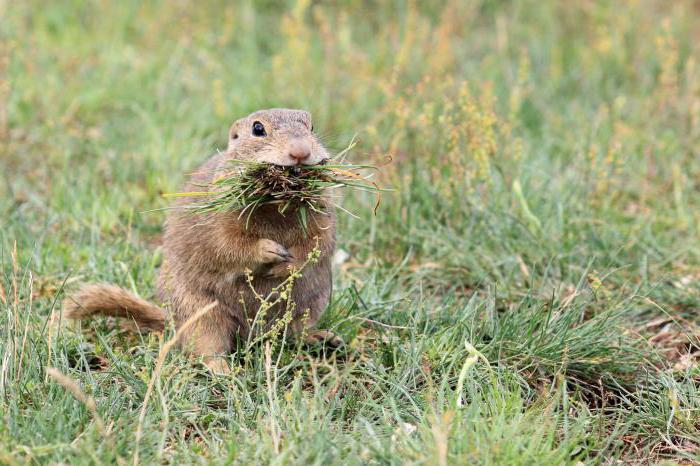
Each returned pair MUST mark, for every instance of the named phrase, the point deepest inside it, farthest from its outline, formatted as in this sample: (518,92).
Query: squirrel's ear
(233,133)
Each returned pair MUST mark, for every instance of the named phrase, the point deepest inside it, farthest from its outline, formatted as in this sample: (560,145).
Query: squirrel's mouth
(298,168)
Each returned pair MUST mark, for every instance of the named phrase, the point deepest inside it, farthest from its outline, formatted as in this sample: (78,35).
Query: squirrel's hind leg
(211,337)
(324,337)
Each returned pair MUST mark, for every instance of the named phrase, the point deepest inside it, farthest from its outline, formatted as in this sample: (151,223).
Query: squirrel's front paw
(281,270)
(271,252)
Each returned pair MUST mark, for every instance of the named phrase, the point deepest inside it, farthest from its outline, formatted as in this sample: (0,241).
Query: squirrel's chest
(290,229)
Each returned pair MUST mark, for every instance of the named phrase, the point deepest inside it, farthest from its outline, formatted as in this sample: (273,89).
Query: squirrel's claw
(325,338)
(271,252)
(284,254)
(281,270)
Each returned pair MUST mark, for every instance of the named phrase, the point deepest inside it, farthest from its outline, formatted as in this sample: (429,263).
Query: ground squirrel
(206,255)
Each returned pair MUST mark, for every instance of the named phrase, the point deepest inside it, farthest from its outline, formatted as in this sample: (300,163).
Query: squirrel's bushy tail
(110,300)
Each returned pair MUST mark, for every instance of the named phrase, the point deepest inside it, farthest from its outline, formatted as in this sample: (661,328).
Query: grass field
(528,294)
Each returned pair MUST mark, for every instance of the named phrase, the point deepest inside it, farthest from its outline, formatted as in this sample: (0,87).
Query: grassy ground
(528,295)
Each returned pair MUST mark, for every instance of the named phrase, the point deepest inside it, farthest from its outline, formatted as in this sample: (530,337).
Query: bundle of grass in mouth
(295,189)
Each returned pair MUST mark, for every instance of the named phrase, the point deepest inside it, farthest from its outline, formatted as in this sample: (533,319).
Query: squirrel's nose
(299,150)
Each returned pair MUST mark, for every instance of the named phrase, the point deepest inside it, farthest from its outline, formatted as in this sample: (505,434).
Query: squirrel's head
(278,136)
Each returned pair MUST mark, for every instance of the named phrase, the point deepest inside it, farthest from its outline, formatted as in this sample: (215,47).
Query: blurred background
(575,124)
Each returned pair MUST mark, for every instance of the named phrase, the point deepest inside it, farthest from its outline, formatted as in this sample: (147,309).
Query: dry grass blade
(159,367)
(72,386)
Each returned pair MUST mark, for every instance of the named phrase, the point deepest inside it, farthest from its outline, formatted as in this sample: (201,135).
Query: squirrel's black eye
(312,128)
(259,129)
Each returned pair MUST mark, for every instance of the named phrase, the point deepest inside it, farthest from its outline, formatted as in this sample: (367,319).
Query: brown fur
(206,256)
(110,300)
